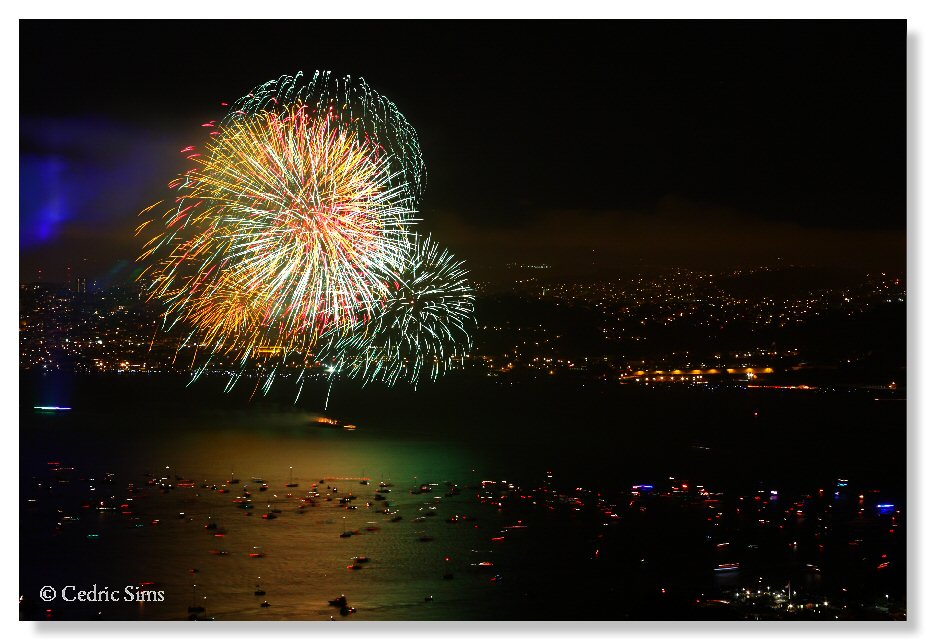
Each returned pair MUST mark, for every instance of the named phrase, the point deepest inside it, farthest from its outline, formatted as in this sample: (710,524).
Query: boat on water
(330,422)
(731,567)
(292,483)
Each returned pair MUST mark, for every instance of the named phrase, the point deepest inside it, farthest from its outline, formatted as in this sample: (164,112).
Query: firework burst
(281,231)
(290,235)
(420,330)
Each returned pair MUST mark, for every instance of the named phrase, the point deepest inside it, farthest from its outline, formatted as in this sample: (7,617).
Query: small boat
(347,533)
(727,567)
(256,552)
(268,516)
(338,602)
(354,566)
(347,610)
(428,598)
(259,593)
(396,518)
(291,484)
(265,604)
(361,559)
(195,609)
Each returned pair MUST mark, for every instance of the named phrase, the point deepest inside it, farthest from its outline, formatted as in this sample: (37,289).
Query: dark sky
(702,143)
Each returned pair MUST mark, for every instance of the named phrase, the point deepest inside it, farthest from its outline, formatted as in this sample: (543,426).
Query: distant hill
(789,282)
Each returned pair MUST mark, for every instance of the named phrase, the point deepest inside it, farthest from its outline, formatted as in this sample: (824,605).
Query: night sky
(587,145)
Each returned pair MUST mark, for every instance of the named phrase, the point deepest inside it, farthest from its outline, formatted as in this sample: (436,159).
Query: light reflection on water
(306,560)
(606,441)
